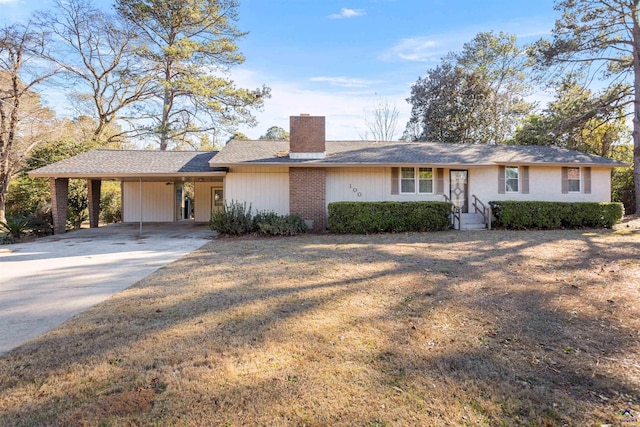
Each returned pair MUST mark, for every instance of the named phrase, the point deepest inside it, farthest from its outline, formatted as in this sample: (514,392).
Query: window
(217,198)
(511,179)
(573,180)
(407,180)
(409,176)
(425,180)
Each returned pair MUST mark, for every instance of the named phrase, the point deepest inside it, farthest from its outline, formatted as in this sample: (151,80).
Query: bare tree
(381,122)
(96,51)
(20,109)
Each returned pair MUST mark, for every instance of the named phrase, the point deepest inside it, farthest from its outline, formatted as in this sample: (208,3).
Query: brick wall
(94,186)
(307,134)
(307,195)
(59,201)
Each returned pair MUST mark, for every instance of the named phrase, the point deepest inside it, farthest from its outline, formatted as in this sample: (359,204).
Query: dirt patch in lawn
(456,328)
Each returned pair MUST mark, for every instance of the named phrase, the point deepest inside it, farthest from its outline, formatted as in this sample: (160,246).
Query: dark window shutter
(565,180)
(587,180)
(395,180)
(501,181)
(524,171)
(439,181)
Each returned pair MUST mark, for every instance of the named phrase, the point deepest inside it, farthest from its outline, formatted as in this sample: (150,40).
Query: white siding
(545,184)
(355,184)
(158,202)
(268,191)
(202,200)
(374,184)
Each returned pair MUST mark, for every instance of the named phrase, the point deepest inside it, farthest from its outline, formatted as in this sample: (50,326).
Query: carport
(152,184)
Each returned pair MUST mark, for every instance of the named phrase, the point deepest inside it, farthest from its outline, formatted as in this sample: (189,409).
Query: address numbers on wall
(355,190)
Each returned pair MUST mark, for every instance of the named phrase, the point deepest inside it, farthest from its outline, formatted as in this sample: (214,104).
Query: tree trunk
(636,109)
(167,102)
(4,186)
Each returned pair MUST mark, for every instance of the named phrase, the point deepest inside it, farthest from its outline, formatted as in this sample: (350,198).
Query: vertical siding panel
(265,191)
(355,184)
(157,200)
(130,208)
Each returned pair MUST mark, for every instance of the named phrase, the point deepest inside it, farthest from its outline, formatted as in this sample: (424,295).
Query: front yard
(454,328)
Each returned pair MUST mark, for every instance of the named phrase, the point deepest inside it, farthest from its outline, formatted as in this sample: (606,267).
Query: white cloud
(8,1)
(347,13)
(432,47)
(422,48)
(344,108)
(344,81)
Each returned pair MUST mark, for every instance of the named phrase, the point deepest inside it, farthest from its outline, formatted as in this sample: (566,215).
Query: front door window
(217,199)
(459,189)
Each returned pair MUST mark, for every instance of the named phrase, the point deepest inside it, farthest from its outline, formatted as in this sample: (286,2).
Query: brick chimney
(307,137)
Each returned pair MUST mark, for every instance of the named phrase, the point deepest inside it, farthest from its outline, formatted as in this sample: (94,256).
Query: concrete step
(468,218)
(472,221)
(473,227)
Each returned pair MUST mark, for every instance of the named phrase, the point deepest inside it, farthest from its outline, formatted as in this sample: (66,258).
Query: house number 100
(355,190)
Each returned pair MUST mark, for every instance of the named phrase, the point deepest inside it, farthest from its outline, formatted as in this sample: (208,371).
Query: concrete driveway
(45,282)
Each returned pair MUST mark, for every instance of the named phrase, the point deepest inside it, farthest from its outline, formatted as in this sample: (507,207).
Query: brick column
(307,196)
(93,185)
(59,202)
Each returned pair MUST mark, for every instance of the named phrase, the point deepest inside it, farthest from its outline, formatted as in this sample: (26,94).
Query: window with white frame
(407,180)
(511,178)
(573,180)
(412,179)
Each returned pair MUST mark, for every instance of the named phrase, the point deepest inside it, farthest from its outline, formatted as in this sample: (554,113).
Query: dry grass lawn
(437,329)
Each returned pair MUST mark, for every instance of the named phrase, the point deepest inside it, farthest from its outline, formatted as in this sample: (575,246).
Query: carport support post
(141,206)
(94,186)
(59,202)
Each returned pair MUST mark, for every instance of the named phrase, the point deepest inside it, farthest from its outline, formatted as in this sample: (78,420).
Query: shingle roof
(378,153)
(131,162)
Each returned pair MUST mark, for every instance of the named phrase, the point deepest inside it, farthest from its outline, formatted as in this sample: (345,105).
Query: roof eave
(126,175)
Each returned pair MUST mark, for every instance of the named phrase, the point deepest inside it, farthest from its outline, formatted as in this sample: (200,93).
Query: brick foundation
(307,190)
(59,201)
(94,186)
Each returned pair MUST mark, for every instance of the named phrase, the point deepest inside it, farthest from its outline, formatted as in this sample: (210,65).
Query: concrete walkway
(45,282)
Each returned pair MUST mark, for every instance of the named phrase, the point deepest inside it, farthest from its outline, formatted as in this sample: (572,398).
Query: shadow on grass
(389,329)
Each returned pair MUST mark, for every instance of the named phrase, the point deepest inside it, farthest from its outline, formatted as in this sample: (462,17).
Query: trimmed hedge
(377,217)
(549,215)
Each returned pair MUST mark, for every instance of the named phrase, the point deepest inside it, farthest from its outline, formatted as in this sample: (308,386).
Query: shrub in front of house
(232,219)
(378,217)
(272,224)
(552,215)
(235,219)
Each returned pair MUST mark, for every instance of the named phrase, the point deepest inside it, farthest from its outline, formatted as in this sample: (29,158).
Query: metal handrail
(455,213)
(485,211)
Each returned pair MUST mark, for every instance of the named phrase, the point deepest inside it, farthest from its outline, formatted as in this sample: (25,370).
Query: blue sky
(339,58)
